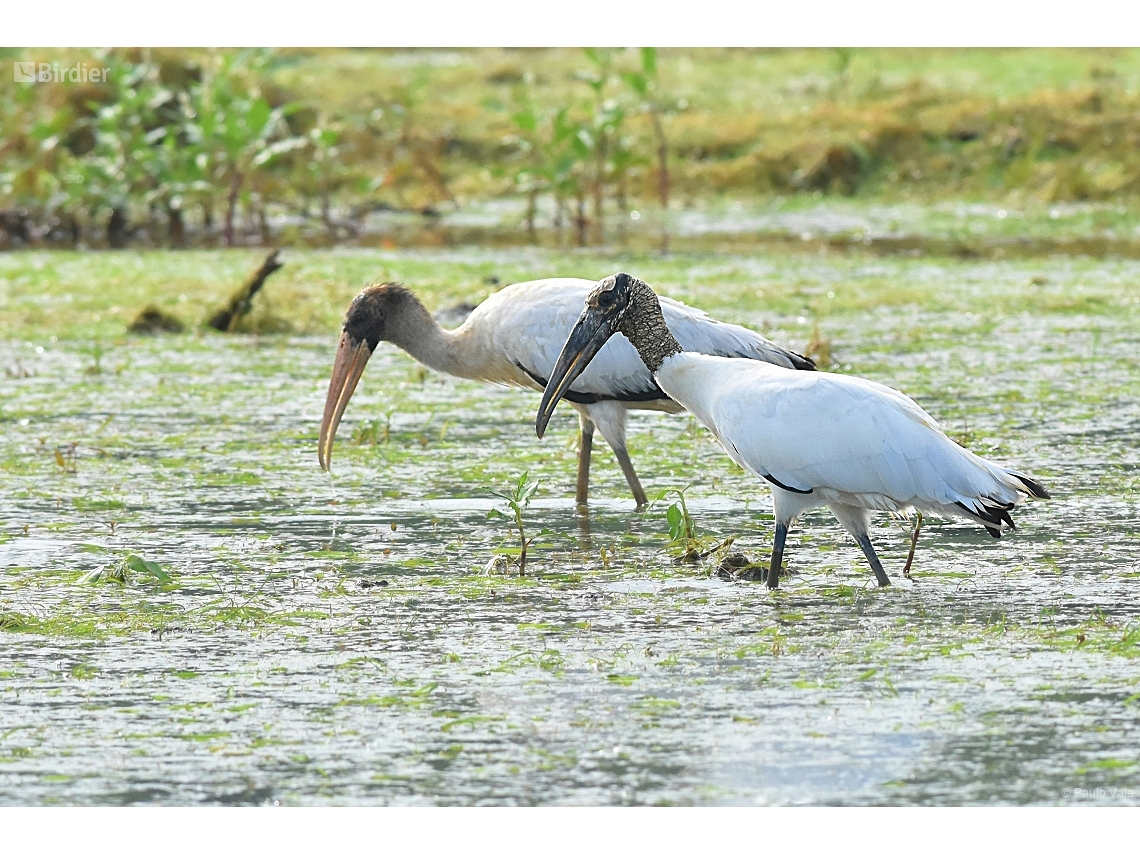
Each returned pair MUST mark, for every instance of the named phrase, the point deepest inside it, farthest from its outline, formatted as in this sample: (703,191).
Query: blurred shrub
(235,147)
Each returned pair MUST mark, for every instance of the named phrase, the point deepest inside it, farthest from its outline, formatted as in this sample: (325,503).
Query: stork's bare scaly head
(373,317)
(613,294)
(606,307)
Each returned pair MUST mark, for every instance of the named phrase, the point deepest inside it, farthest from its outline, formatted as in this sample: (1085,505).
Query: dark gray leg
(873,559)
(631,477)
(777,555)
(585,449)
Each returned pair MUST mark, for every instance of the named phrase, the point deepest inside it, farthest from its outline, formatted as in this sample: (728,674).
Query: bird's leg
(585,449)
(777,555)
(913,544)
(609,418)
(631,477)
(873,559)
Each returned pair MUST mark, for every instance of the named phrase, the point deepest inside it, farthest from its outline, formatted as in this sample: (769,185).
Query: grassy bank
(95,296)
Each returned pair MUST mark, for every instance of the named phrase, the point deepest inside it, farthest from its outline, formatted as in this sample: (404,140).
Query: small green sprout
(518,500)
(683,531)
(681,525)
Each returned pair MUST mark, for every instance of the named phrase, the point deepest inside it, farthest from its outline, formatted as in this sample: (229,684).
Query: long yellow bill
(351,357)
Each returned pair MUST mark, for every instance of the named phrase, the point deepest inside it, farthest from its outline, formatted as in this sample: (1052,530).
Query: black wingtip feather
(1035,488)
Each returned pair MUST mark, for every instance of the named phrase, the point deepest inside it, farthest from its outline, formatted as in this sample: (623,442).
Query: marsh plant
(682,529)
(518,499)
(184,147)
(120,571)
(67,458)
(584,151)
(373,431)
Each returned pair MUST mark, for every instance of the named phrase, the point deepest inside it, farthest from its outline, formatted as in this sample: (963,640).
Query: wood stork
(818,439)
(513,338)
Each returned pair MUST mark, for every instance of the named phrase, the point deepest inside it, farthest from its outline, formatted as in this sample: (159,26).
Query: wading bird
(818,439)
(513,338)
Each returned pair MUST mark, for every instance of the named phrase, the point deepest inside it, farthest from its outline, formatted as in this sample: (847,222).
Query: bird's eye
(605,298)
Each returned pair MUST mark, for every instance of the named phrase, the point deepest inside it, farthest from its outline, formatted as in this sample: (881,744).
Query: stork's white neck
(417,332)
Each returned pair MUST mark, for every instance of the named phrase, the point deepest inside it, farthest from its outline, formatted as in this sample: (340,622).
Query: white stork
(818,439)
(513,338)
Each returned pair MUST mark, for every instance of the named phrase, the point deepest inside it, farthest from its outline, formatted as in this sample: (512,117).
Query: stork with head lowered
(513,338)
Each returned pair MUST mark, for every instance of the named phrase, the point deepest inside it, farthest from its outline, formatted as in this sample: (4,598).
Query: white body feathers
(520,330)
(515,335)
(828,439)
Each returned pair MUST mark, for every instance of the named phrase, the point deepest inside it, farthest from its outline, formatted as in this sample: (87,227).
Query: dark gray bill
(590,333)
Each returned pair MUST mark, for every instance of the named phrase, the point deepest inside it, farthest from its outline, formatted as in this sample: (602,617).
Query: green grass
(753,117)
(92,297)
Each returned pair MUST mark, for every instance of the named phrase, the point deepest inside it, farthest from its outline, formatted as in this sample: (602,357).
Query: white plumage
(514,338)
(525,325)
(818,439)
(851,444)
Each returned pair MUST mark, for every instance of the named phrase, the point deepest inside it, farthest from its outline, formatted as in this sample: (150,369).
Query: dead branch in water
(241,301)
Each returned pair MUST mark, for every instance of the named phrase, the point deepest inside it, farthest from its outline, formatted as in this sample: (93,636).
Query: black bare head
(636,313)
(615,297)
(375,315)
(614,293)
(619,303)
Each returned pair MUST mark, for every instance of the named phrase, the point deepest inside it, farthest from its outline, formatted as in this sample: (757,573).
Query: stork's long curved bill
(590,333)
(351,357)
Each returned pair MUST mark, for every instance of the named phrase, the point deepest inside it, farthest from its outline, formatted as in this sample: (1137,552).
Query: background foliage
(258,146)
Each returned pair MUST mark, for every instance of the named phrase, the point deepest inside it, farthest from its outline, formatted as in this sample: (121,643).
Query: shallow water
(1032,229)
(337,640)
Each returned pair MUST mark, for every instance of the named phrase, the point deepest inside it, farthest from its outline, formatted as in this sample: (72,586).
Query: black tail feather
(991,515)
